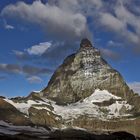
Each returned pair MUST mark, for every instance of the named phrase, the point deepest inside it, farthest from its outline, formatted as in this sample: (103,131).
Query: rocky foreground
(11,132)
(71,135)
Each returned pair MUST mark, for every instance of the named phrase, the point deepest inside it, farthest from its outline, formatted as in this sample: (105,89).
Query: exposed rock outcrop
(83,72)
(10,114)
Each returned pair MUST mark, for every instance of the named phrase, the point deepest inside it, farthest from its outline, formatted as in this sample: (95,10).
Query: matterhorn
(84,93)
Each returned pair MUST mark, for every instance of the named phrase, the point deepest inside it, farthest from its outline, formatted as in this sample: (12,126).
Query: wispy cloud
(21,55)
(32,53)
(55,20)
(34,79)
(114,44)
(47,52)
(3,77)
(26,69)
(122,21)
(8,26)
(39,49)
(10,68)
(68,20)
(135,86)
(107,53)
(32,70)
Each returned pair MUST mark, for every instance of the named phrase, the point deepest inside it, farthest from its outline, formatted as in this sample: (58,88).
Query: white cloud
(97,3)
(9,27)
(19,53)
(110,54)
(112,43)
(67,19)
(10,68)
(135,86)
(34,79)
(128,18)
(120,18)
(55,20)
(39,49)
(111,22)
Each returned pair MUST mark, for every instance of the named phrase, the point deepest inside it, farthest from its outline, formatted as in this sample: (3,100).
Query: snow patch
(85,107)
(115,109)
(100,96)
(24,106)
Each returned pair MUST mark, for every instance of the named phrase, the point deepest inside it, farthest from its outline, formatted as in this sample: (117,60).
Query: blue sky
(35,37)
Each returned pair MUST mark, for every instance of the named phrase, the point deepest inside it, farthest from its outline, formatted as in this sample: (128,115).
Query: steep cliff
(83,72)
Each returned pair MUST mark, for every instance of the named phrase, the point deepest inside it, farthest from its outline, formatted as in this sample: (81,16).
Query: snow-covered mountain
(84,92)
(81,74)
(100,112)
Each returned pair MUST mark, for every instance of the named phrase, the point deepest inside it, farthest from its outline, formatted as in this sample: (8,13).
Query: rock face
(10,114)
(83,72)
(85,91)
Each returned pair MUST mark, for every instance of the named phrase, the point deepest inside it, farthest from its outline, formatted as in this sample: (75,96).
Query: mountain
(81,74)
(84,92)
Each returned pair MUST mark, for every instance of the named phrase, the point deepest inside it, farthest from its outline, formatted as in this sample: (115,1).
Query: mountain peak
(81,74)
(85,43)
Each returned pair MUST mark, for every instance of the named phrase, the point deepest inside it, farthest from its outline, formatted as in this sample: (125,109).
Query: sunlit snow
(87,106)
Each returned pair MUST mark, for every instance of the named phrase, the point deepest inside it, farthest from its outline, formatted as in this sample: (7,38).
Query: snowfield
(100,96)
(24,106)
(87,106)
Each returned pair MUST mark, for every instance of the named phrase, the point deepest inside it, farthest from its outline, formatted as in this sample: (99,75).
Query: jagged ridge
(83,72)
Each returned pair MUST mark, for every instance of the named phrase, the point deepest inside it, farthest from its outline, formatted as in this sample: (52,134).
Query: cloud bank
(56,21)
(68,20)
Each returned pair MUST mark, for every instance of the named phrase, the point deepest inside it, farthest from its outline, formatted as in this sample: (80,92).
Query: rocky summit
(83,72)
(85,93)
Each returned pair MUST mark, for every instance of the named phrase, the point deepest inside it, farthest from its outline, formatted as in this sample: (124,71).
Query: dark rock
(2,97)
(70,134)
(124,136)
(85,43)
